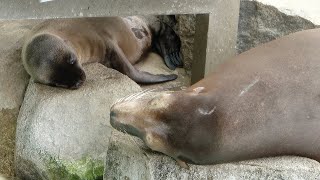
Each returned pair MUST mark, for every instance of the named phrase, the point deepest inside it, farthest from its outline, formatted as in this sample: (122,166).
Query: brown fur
(115,42)
(264,102)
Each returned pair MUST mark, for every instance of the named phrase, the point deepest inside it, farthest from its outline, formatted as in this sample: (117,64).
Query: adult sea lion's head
(161,121)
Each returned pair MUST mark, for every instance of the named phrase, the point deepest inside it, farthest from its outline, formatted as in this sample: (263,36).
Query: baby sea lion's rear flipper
(167,43)
(148,78)
(173,60)
(120,62)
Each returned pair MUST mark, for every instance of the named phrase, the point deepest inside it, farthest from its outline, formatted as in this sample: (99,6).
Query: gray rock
(13,82)
(64,134)
(186,28)
(128,158)
(259,23)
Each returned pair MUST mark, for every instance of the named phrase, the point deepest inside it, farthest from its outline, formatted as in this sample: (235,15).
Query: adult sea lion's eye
(152,102)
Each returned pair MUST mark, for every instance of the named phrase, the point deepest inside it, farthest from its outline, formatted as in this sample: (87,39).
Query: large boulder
(259,23)
(128,158)
(64,134)
(13,82)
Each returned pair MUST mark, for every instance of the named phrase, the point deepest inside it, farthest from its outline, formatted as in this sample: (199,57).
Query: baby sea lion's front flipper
(168,45)
(120,62)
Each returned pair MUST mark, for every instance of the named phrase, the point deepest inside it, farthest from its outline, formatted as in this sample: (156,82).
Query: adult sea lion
(55,50)
(263,102)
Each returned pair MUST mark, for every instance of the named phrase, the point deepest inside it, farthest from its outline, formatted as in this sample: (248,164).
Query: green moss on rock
(84,169)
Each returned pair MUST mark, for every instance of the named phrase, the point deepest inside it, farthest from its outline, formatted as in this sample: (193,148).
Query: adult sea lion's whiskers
(144,94)
(130,137)
(137,94)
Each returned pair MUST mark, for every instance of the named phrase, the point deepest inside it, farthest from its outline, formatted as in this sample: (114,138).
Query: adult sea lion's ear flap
(198,90)
(120,62)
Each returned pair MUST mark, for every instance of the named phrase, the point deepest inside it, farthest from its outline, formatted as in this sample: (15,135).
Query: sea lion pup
(264,102)
(55,50)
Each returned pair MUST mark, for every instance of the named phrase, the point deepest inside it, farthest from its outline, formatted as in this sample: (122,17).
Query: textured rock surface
(186,29)
(13,80)
(64,134)
(259,23)
(127,158)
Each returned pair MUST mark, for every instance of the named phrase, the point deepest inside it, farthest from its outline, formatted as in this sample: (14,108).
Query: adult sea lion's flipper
(182,164)
(119,62)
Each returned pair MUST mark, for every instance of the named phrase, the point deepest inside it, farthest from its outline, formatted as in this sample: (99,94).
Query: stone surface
(39,9)
(128,158)
(261,23)
(64,134)
(186,27)
(13,80)
(8,119)
(215,38)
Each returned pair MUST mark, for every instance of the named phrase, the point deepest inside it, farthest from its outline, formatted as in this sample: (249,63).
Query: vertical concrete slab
(215,39)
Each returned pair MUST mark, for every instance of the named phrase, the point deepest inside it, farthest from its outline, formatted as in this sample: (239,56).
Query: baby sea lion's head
(50,60)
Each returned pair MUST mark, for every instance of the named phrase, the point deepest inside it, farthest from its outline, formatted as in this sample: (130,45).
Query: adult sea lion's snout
(122,121)
(157,120)
(113,119)
(136,114)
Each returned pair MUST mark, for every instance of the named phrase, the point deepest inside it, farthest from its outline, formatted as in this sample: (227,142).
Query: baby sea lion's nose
(77,85)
